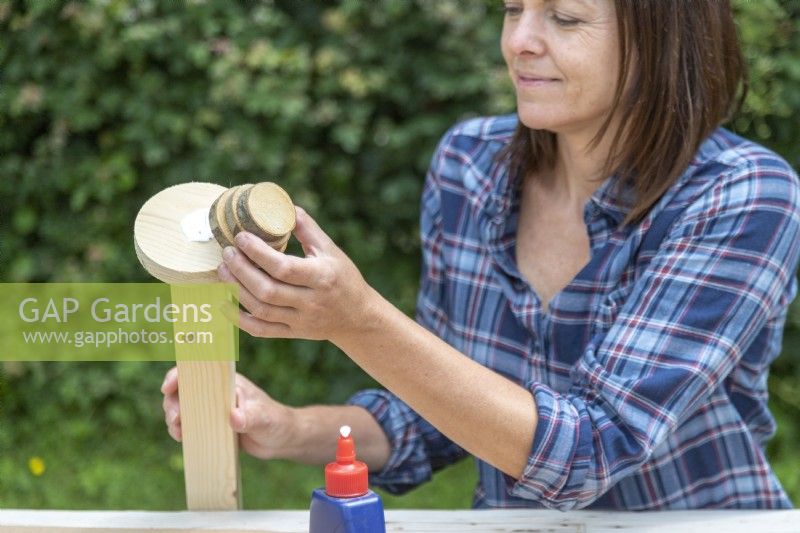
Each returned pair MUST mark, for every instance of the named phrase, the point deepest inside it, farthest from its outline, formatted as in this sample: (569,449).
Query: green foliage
(770,35)
(105,102)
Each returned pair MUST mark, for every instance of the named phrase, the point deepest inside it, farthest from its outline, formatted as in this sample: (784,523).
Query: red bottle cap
(346,478)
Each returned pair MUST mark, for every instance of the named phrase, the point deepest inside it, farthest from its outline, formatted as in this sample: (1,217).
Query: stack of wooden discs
(264,209)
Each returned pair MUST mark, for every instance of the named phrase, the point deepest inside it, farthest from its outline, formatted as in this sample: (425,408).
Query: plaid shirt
(649,371)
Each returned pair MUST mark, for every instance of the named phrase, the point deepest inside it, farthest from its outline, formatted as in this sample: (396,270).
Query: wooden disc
(230,208)
(160,244)
(219,222)
(279,244)
(267,211)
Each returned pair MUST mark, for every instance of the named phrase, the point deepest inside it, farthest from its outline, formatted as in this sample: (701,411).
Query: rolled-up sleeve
(726,268)
(418,448)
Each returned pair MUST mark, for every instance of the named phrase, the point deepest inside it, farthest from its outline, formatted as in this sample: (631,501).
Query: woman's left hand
(321,296)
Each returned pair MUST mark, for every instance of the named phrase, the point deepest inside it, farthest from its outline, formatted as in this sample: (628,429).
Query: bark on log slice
(230,208)
(219,222)
(160,244)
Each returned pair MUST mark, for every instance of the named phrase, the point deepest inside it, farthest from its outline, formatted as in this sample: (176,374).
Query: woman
(605,281)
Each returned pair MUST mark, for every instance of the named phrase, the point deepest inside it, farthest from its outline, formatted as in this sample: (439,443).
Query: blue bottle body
(363,514)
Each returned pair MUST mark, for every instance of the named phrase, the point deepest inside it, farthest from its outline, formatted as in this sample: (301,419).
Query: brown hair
(688,69)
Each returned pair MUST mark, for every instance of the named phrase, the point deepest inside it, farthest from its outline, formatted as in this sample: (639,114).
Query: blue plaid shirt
(649,371)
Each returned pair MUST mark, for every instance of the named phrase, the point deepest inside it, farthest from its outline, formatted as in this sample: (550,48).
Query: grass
(144,471)
(83,465)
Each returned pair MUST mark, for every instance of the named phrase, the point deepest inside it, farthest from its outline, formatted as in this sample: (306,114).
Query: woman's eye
(512,10)
(565,22)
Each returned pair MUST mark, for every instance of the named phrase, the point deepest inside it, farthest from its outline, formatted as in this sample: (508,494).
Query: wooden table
(496,521)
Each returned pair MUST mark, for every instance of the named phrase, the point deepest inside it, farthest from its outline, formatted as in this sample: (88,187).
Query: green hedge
(104,103)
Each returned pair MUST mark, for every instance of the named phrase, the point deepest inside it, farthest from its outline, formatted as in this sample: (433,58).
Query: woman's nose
(527,36)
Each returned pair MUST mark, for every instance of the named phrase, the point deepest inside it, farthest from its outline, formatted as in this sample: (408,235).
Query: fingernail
(241,238)
(228,253)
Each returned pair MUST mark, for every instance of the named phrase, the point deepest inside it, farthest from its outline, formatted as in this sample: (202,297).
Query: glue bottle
(346,505)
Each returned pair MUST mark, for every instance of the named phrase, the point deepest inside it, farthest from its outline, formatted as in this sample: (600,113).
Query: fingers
(255,326)
(287,268)
(264,311)
(310,235)
(237,267)
(172,415)
(260,328)
(171,406)
(175,432)
(238,420)
(170,384)
(172,410)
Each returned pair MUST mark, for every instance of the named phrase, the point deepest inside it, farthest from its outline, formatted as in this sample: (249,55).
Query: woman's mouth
(531,81)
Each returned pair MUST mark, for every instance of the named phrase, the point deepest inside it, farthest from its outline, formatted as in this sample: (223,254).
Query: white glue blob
(195,226)
(344,431)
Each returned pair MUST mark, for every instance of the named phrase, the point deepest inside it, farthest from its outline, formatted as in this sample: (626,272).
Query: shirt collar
(614,197)
(616,204)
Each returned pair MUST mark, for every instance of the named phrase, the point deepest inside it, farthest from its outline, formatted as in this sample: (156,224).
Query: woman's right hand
(265,426)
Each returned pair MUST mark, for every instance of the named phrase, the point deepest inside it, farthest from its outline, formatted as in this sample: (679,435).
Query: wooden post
(206,388)
(207,393)
(210,447)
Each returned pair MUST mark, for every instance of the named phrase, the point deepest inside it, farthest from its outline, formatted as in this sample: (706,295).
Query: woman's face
(563,58)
